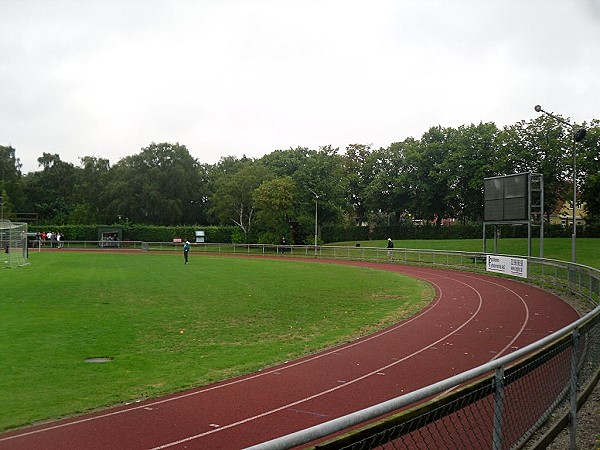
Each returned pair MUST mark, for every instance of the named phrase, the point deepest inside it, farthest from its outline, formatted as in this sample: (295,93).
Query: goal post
(13,244)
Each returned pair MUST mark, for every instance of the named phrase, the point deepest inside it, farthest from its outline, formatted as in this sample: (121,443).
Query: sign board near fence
(508,265)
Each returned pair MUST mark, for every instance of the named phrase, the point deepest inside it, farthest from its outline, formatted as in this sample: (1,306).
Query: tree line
(439,176)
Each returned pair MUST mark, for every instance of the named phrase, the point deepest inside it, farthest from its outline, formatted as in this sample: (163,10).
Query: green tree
(387,193)
(274,200)
(11,183)
(312,171)
(89,194)
(359,172)
(283,163)
(156,186)
(428,178)
(232,199)
(473,156)
(589,163)
(49,192)
(542,145)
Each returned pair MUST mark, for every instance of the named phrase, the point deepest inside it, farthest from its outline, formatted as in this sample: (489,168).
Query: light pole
(578,135)
(316,216)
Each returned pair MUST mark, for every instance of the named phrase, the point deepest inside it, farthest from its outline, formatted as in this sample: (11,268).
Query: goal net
(13,244)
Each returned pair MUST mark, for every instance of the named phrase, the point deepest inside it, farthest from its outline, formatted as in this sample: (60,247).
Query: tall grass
(167,326)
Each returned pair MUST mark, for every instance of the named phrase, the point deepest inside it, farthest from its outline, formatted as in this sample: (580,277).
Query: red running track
(472,320)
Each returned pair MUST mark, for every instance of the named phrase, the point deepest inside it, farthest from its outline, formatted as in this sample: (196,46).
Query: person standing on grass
(390,247)
(186,251)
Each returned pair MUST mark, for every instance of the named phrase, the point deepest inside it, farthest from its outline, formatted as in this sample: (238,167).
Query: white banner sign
(508,265)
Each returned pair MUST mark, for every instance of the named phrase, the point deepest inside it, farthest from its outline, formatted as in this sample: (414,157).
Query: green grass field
(168,326)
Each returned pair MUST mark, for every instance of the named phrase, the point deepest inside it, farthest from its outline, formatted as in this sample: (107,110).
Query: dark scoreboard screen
(506,198)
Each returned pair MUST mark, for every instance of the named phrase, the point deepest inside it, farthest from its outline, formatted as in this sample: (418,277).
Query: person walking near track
(390,247)
(186,251)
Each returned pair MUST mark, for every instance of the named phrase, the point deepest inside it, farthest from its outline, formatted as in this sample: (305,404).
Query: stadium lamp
(578,136)
(316,216)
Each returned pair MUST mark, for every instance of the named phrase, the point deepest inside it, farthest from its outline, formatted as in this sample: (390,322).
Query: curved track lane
(472,320)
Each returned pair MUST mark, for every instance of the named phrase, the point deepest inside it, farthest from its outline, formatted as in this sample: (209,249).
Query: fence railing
(499,405)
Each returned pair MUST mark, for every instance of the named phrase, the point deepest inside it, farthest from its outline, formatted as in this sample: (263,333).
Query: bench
(478,258)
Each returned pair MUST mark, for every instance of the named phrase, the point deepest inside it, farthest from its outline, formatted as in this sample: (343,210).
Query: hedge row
(144,233)
(469,231)
(147,233)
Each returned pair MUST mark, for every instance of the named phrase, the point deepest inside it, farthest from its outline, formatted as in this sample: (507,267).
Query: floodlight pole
(316,217)
(578,136)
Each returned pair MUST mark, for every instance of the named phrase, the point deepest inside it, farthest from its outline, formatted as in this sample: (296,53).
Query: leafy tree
(589,162)
(322,172)
(89,195)
(474,156)
(428,178)
(359,173)
(49,191)
(11,184)
(156,186)
(274,200)
(283,163)
(543,146)
(232,199)
(387,193)
(312,171)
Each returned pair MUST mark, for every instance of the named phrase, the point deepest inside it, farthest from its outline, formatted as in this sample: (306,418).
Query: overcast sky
(247,77)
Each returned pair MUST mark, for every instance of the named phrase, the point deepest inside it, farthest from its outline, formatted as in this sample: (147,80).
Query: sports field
(167,326)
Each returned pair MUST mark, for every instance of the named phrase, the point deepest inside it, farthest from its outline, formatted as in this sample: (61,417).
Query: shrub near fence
(469,231)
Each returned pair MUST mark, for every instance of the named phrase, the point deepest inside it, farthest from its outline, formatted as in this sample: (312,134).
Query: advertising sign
(507,265)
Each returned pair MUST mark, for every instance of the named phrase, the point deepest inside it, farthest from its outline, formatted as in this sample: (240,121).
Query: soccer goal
(13,244)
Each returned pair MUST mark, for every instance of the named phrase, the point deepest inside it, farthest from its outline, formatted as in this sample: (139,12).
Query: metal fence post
(498,407)
(573,407)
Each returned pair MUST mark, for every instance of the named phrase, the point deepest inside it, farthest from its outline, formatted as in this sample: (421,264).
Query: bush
(468,231)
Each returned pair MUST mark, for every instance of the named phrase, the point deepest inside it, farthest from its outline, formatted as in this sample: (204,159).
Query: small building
(563,214)
(110,236)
